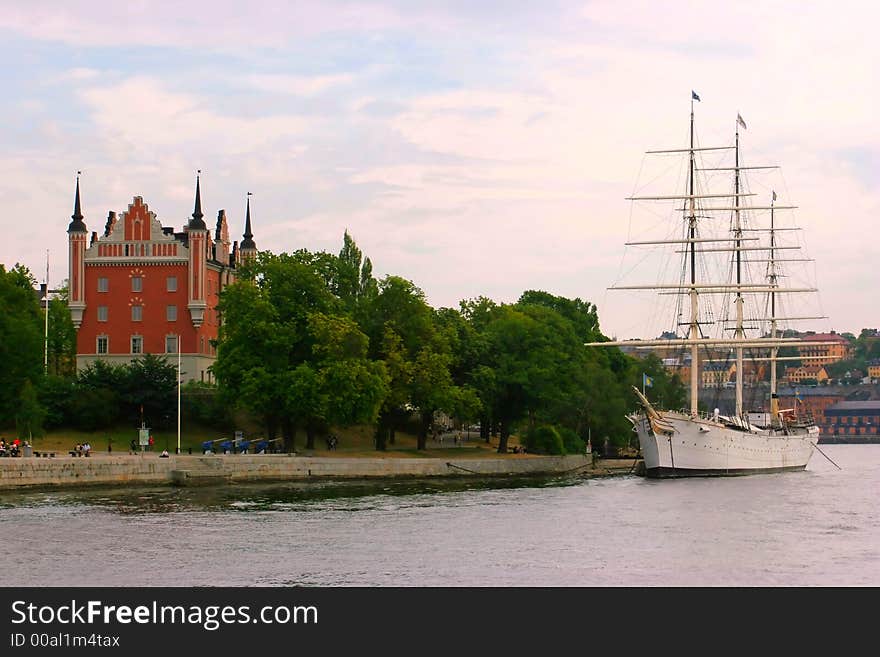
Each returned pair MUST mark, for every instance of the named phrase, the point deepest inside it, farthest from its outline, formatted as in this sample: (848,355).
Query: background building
(142,288)
(825,354)
(852,421)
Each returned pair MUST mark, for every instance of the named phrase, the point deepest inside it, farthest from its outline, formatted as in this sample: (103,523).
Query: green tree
(21,338)
(55,394)
(30,415)
(96,399)
(408,335)
(288,352)
(61,337)
(149,391)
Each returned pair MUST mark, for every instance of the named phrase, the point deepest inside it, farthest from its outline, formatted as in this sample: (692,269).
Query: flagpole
(178,394)
(46,335)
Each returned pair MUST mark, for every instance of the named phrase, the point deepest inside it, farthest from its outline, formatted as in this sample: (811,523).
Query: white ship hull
(706,447)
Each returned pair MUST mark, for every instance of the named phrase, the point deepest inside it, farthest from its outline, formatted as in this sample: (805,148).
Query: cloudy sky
(476,148)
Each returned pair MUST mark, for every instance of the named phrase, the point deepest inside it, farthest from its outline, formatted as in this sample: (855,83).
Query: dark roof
(197,223)
(873,405)
(77,225)
(821,391)
(248,242)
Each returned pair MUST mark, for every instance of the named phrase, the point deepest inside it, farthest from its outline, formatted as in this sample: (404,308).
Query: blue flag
(647,381)
(694,95)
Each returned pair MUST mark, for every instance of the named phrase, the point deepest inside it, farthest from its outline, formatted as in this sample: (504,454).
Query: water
(816,528)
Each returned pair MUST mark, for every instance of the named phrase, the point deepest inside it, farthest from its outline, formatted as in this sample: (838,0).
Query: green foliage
(21,338)
(55,394)
(203,404)
(572,442)
(289,350)
(62,339)
(544,439)
(30,415)
(666,391)
(94,408)
(105,394)
(149,391)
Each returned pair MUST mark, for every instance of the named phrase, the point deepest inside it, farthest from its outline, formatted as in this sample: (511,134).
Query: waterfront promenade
(193,470)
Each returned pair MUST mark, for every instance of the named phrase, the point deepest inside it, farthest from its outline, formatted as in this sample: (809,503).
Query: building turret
(221,238)
(111,223)
(197,222)
(198,238)
(77,234)
(248,248)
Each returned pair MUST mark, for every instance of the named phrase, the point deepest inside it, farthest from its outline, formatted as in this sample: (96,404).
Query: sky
(475,148)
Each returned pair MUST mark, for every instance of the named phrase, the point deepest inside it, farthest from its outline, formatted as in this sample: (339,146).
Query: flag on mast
(774,194)
(694,95)
(739,120)
(647,381)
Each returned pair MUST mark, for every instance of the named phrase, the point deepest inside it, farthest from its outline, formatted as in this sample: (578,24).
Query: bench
(44,454)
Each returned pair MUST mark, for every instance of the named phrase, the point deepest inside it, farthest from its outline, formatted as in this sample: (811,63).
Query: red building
(141,288)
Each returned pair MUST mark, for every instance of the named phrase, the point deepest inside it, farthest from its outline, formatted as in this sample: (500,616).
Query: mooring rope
(827,457)
(458,467)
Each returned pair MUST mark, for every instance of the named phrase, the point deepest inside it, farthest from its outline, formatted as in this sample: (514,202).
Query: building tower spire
(197,222)
(198,259)
(248,248)
(77,233)
(77,225)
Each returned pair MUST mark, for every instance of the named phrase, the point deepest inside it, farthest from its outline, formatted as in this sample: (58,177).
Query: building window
(171,283)
(171,313)
(103,344)
(103,284)
(102,313)
(171,344)
(137,313)
(137,344)
(137,284)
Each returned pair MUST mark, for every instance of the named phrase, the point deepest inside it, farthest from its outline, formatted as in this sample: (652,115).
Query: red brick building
(141,288)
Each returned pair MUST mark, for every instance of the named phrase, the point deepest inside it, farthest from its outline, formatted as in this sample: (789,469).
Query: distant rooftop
(873,405)
(825,337)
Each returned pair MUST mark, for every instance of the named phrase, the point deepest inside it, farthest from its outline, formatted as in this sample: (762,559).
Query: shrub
(572,442)
(544,439)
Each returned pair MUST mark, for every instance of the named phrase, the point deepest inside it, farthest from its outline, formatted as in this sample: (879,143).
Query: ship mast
(693,333)
(774,351)
(739,298)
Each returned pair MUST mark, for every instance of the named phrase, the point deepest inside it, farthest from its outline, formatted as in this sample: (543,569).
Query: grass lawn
(353,441)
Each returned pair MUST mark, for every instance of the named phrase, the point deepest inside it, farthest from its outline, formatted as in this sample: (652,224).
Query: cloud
(298,85)
(144,115)
(476,148)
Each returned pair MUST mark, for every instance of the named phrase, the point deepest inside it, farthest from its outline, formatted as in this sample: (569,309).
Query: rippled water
(820,527)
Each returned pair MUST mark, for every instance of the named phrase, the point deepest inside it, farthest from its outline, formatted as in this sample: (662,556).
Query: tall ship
(731,299)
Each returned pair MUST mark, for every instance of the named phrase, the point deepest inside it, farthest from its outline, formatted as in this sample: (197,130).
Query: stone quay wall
(186,470)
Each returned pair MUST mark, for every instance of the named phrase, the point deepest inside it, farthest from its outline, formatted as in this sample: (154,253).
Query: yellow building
(798,374)
(715,375)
